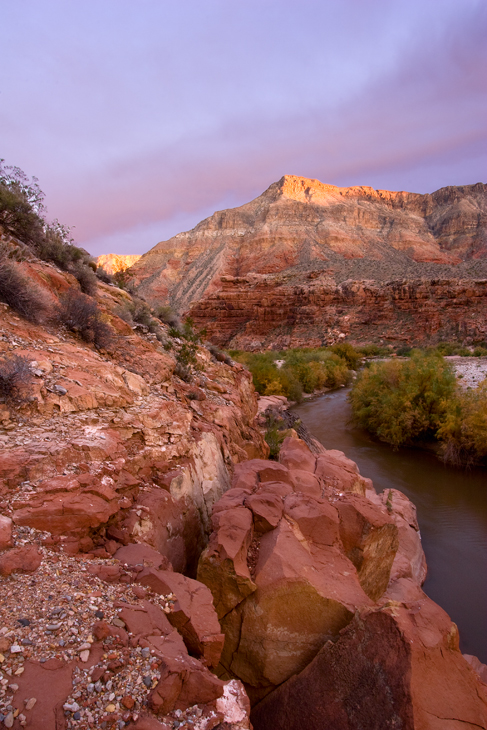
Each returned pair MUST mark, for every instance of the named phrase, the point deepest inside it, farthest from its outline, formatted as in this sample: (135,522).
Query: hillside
(298,226)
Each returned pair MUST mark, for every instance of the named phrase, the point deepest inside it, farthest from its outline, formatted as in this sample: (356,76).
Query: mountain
(298,226)
(114,262)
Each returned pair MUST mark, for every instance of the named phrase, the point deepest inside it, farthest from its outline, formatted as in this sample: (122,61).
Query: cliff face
(271,312)
(114,262)
(299,225)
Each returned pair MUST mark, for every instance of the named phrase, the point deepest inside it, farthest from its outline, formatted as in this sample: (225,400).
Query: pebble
(84,655)
(53,627)
(118,622)
(145,652)
(15,649)
(9,720)
(147,681)
(77,716)
(24,621)
(30,703)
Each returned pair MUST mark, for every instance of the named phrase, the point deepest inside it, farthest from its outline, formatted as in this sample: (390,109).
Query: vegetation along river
(451,505)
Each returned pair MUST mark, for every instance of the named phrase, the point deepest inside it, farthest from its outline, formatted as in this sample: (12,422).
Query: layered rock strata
(308,262)
(256,312)
(299,225)
(317,583)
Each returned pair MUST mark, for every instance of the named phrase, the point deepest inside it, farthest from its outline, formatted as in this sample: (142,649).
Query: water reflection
(452,512)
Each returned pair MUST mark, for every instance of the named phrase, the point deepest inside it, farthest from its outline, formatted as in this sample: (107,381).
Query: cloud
(152,120)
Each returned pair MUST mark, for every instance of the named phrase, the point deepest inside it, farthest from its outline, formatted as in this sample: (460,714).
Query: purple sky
(142,118)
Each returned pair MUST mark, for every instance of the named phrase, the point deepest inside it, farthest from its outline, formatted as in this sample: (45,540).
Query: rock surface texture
(114,262)
(307,259)
(110,465)
(317,584)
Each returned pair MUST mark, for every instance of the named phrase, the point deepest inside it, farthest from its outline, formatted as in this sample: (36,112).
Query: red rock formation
(267,312)
(325,621)
(114,262)
(299,222)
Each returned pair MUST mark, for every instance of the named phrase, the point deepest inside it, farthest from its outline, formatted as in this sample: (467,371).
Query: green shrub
(372,351)
(404,351)
(348,353)
(401,401)
(480,351)
(168,316)
(463,431)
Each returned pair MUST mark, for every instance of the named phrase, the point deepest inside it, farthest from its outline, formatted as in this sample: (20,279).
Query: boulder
(295,454)
(335,470)
(370,540)
(5,532)
(25,559)
(223,564)
(183,683)
(306,593)
(396,667)
(193,613)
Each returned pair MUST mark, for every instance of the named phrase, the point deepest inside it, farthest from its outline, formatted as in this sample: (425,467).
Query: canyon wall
(256,312)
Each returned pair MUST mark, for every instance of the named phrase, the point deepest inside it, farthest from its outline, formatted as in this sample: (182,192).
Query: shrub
(464,428)
(14,375)
(20,293)
(347,353)
(276,431)
(21,205)
(168,316)
(219,355)
(404,351)
(103,275)
(141,312)
(480,351)
(80,314)
(400,401)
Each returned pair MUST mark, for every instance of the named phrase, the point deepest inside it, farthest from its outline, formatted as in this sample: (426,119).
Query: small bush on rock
(80,314)
(21,293)
(14,375)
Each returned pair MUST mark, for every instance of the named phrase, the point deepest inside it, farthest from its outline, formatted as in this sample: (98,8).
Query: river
(451,505)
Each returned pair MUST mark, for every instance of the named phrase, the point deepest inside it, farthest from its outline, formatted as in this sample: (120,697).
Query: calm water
(452,512)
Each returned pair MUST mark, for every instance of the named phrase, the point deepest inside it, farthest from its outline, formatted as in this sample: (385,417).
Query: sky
(142,118)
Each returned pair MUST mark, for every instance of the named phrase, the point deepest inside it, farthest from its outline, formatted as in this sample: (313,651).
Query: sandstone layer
(256,312)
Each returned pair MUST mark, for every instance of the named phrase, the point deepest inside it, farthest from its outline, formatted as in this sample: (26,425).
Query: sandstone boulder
(25,559)
(183,684)
(5,532)
(394,667)
(223,564)
(193,613)
(370,540)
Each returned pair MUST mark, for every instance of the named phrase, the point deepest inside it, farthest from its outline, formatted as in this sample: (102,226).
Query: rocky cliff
(300,224)
(114,262)
(273,311)
(305,240)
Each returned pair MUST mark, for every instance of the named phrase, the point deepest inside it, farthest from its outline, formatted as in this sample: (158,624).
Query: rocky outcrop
(318,591)
(114,262)
(256,312)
